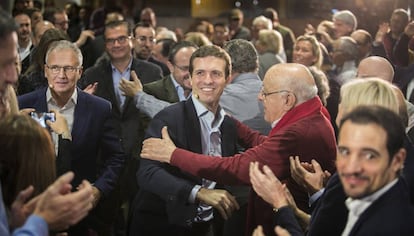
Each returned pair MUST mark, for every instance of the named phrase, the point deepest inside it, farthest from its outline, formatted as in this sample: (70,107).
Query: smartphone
(42,117)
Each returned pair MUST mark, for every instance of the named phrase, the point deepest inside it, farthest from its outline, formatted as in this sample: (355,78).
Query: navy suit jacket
(93,137)
(162,204)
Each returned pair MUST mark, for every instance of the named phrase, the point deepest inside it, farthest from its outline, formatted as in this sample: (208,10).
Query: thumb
(134,76)
(60,185)
(164,133)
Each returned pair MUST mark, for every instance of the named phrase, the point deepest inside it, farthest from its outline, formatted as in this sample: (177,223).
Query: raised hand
(130,88)
(158,149)
(311,176)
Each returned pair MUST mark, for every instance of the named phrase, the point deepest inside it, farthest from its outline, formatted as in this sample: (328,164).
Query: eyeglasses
(66,69)
(182,68)
(143,39)
(120,40)
(262,92)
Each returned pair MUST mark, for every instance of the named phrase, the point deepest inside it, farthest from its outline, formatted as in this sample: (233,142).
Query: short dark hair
(177,47)
(383,117)
(142,24)
(49,13)
(7,24)
(166,46)
(221,24)
(243,55)
(113,24)
(214,51)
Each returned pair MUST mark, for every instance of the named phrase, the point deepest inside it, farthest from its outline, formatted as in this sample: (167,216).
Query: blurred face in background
(303,53)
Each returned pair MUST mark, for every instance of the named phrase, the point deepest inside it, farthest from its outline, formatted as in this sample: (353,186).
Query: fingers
(258,231)
(164,133)
(255,175)
(23,196)
(281,231)
(269,173)
(134,76)
(62,183)
(27,111)
(316,166)
(228,204)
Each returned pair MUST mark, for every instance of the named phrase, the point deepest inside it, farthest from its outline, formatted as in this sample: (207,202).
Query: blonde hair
(316,48)
(270,40)
(371,91)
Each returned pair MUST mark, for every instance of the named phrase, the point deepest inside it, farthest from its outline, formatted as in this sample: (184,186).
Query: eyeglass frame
(121,40)
(66,69)
(182,68)
(264,95)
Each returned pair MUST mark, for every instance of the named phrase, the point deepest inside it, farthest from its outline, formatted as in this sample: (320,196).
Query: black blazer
(163,89)
(161,206)
(128,120)
(391,214)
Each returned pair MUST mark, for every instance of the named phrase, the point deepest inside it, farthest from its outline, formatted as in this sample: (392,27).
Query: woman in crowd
(268,45)
(28,157)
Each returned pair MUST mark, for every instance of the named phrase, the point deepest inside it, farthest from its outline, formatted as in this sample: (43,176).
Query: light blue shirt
(211,145)
(34,226)
(116,78)
(179,89)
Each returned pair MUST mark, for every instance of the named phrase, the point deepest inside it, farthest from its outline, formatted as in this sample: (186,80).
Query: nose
(260,96)
(10,74)
(352,164)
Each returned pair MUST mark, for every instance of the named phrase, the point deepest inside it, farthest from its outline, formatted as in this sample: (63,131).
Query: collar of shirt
(246,76)
(52,101)
(274,123)
(179,89)
(357,206)
(24,52)
(121,73)
(214,120)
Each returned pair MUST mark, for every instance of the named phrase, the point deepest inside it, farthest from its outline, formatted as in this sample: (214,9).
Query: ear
(170,66)
(290,101)
(397,163)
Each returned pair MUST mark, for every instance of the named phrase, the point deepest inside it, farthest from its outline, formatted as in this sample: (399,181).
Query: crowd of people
(223,130)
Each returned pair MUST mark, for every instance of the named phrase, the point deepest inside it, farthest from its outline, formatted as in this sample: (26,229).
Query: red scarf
(301,111)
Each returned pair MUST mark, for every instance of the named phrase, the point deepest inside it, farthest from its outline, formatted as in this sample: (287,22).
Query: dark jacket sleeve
(285,218)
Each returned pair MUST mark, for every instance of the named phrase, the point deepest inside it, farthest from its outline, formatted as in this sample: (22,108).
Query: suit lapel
(106,88)
(81,115)
(41,103)
(194,134)
(227,136)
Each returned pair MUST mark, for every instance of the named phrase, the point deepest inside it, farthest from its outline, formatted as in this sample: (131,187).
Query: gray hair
(349,47)
(347,17)
(263,20)
(243,55)
(64,44)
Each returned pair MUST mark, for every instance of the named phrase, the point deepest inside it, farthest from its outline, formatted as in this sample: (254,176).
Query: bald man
(300,126)
(375,66)
(364,41)
(39,29)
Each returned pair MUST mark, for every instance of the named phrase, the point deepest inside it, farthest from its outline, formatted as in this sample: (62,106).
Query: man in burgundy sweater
(300,127)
